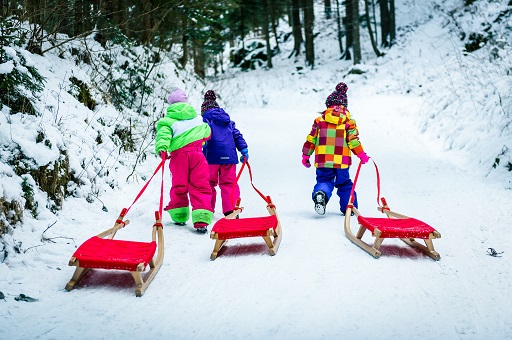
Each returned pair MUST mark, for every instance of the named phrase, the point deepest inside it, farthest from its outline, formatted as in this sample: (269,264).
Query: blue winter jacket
(225,138)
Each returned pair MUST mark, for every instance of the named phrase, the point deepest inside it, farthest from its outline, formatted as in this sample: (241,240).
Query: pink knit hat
(177,96)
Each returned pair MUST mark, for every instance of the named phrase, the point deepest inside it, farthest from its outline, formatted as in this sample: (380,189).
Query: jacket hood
(336,115)
(217,115)
(181,111)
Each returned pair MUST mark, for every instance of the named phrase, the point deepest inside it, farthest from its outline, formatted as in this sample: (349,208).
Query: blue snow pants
(327,179)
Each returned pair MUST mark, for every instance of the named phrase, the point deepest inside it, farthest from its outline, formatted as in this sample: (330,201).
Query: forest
(201,28)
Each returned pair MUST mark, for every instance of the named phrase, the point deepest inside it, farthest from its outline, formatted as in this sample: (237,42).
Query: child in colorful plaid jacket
(333,138)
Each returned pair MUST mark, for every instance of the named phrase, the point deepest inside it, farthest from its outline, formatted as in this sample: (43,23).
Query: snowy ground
(319,285)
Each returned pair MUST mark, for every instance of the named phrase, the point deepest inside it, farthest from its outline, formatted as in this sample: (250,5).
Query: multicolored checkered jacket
(333,137)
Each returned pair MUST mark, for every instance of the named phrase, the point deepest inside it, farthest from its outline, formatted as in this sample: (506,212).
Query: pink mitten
(363,157)
(305,161)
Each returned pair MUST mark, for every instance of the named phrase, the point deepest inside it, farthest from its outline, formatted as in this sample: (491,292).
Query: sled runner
(104,252)
(395,225)
(232,226)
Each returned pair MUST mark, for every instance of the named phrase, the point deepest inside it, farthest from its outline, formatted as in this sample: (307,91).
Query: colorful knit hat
(177,96)
(209,101)
(338,97)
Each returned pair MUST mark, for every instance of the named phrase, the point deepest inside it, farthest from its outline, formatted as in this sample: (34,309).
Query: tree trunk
(392,22)
(266,32)
(355,32)
(78,21)
(296,28)
(384,22)
(122,16)
(309,21)
(199,60)
(184,42)
(273,21)
(146,22)
(348,29)
(338,22)
(327,9)
(375,22)
(370,32)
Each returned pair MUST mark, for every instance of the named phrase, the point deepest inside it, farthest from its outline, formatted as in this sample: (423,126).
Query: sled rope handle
(161,165)
(351,199)
(265,198)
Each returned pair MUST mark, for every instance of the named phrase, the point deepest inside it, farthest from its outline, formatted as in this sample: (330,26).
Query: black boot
(320,202)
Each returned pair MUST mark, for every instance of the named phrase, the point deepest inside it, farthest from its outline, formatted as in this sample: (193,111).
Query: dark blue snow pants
(327,179)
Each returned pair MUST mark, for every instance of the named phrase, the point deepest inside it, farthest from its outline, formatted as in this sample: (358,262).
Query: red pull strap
(352,198)
(161,165)
(265,198)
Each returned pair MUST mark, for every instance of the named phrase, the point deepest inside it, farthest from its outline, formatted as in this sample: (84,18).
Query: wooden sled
(232,226)
(104,252)
(395,225)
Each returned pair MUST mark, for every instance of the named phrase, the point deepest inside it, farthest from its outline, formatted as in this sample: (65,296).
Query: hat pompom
(342,87)
(210,95)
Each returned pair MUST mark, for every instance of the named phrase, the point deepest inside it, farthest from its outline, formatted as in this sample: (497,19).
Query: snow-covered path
(319,285)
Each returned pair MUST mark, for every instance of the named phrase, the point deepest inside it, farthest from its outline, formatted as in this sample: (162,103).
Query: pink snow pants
(189,171)
(224,175)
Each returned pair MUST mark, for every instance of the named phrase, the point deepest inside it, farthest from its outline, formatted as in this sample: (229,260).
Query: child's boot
(320,202)
(201,227)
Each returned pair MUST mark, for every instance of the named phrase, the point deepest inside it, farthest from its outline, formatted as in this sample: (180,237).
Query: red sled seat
(245,227)
(231,227)
(397,228)
(107,253)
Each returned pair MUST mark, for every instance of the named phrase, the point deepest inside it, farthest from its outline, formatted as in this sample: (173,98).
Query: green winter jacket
(180,126)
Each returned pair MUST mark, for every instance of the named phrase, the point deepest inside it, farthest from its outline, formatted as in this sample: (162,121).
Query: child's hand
(363,157)
(164,155)
(305,161)
(245,154)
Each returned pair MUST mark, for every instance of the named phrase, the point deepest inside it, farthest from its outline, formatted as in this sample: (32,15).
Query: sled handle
(352,196)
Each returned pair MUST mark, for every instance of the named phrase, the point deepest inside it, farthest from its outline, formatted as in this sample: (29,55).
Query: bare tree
(392,22)
(348,29)
(384,22)
(266,33)
(146,21)
(273,21)
(370,32)
(355,32)
(338,22)
(309,21)
(327,9)
(296,28)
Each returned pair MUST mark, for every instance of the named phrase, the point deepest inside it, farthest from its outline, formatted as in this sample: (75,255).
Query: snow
(319,285)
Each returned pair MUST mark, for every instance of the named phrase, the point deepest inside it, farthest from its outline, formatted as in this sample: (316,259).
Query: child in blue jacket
(220,152)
